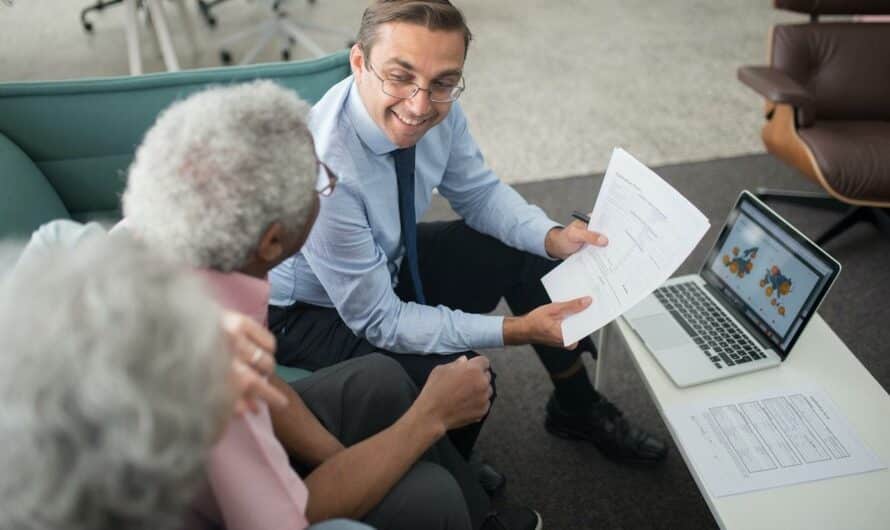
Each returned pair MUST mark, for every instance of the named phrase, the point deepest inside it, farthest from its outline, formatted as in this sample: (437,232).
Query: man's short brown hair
(432,14)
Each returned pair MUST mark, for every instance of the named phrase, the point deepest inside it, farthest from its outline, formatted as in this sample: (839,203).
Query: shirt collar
(368,131)
(239,292)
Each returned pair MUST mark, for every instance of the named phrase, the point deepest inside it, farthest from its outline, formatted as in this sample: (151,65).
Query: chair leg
(98,6)
(880,218)
(206,7)
(814,199)
(852,217)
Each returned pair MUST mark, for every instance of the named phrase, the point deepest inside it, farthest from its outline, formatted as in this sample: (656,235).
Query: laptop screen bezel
(741,308)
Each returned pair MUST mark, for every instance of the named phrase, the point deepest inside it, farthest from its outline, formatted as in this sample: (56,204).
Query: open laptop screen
(769,271)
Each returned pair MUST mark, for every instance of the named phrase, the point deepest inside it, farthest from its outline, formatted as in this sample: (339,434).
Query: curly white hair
(218,168)
(113,387)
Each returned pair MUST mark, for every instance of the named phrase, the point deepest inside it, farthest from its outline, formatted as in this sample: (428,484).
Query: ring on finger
(257,355)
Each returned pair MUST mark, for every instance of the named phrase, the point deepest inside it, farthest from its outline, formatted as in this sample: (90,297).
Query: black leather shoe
(604,425)
(491,480)
(513,517)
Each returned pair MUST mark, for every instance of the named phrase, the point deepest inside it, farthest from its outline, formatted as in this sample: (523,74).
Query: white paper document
(769,440)
(651,230)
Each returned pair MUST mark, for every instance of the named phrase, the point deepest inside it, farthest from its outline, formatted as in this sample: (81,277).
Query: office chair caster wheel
(88,27)
(225,57)
(204,7)
(285,55)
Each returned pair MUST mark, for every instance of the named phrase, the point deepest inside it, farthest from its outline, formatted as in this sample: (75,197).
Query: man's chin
(405,139)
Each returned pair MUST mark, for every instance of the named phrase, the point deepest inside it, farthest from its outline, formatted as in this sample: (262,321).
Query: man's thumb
(576,305)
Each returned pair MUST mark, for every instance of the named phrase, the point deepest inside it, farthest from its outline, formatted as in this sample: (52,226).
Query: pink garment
(250,483)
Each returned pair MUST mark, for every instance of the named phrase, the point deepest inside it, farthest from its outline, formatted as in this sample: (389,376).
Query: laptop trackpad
(661,332)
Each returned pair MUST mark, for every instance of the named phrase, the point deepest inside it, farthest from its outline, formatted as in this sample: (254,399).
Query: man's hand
(544,324)
(561,243)
(252,346)
(457,393)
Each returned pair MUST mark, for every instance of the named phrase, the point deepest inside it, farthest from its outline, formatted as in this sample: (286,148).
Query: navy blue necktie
(404,162)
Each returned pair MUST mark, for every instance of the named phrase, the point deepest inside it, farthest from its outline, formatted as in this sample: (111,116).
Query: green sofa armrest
(28,199)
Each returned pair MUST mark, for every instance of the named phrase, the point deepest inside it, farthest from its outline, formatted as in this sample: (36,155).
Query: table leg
(602,352)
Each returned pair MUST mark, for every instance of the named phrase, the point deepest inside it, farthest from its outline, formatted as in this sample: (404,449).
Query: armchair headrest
(835,7)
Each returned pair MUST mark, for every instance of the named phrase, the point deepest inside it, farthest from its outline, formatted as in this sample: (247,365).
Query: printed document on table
(769,440)
(651,230)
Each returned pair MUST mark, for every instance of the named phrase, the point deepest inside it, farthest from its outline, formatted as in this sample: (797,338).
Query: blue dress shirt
(352,257)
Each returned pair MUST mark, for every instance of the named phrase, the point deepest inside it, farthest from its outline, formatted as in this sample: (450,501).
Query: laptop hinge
(741,318)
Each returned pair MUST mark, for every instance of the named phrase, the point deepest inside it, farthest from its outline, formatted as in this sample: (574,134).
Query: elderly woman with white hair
(109,407)
(102,350)
(226,181)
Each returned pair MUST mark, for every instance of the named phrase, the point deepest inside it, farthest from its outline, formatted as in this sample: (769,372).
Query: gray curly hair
(113,387)
(218,168)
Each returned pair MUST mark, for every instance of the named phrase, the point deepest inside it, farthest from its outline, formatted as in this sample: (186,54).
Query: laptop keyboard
(719,337)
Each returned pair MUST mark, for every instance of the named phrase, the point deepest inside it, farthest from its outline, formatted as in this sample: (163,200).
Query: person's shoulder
(326,113)
(332,132)
(456,116)
(60,234)
(443,137)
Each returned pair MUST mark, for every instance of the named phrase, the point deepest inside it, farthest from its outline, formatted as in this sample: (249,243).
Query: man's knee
(386,375)
(427,496)
(384,387)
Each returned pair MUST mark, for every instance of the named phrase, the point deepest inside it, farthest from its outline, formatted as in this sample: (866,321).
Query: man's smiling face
(408,53)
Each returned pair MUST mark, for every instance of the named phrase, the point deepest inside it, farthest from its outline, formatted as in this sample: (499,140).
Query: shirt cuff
(538,235)
(488,331)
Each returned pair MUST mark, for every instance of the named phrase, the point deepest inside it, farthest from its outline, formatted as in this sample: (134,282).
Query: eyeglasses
(439,92)
(325,189)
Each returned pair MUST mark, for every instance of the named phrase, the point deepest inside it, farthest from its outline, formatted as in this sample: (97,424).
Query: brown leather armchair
(827,92)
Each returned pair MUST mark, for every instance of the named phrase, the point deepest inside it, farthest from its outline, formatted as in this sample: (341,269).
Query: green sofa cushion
(82,134)
(291,374)
(28,200)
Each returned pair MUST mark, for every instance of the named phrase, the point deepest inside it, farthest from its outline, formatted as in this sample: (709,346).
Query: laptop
(759,286)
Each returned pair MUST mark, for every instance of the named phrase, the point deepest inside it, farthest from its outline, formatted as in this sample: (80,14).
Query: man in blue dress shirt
(371,279)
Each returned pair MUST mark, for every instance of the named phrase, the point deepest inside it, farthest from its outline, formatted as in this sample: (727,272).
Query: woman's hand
(253,347)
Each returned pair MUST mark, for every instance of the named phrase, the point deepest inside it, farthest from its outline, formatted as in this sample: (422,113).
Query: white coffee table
(820,358)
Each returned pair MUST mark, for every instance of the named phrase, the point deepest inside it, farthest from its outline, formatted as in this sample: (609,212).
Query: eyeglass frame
(462,85)
(328,189)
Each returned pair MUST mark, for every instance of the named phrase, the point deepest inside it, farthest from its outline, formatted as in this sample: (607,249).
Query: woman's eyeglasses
(326,187)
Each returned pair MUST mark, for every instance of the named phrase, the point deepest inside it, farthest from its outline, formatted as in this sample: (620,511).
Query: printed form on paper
(651,230)
(773,439)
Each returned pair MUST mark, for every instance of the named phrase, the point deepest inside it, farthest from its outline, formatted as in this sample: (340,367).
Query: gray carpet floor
(570,483)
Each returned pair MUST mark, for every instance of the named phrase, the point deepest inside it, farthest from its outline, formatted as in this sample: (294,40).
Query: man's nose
(420,104)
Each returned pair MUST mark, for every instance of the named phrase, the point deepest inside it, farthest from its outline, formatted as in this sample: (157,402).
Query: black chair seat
(854,156)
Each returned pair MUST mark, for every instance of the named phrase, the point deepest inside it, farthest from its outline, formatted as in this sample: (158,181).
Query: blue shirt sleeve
(352,268)
(483,201)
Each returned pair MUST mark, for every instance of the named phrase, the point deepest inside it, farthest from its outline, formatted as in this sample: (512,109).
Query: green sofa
(65,146)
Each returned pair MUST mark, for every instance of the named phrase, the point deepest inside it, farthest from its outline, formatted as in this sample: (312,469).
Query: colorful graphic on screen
(740,265)
(776,285)
(769,279)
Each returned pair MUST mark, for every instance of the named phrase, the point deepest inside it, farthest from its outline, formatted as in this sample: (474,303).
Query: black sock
(575,393)
(586,344)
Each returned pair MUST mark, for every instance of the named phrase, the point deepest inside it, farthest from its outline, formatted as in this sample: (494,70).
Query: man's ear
(356,59)
(271,245)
